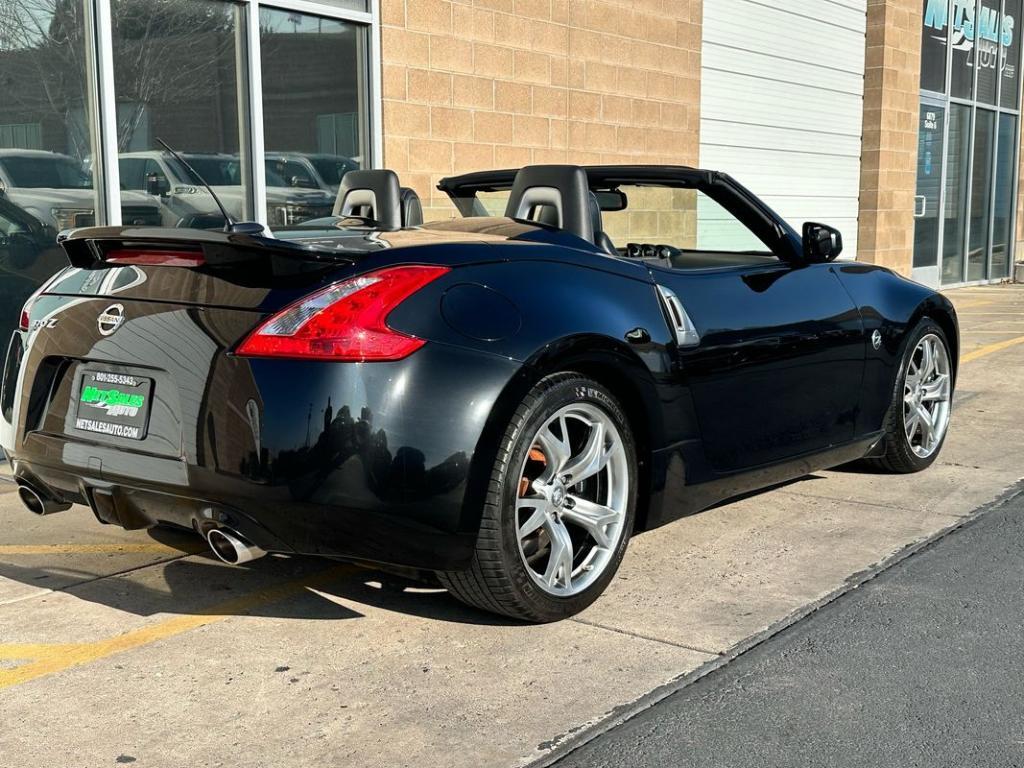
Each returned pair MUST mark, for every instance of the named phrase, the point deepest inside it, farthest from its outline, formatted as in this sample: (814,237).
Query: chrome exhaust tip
(39,503)
(231,548)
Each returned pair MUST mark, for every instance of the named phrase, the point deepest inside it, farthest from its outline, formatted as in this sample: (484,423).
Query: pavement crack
(649,638)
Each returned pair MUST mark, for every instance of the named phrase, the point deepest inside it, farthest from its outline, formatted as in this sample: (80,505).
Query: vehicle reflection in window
(34,170)
(29,255)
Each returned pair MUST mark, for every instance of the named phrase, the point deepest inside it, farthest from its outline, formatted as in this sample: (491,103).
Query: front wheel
(918,418)
(560,506)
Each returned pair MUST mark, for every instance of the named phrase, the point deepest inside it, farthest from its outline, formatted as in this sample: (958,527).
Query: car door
(774,353)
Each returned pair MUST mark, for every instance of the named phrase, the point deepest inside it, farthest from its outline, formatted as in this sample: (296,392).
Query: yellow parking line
(50,659)
(95,549)
(989,349)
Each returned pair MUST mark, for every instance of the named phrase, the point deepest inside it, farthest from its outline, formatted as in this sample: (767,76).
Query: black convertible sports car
(500,400)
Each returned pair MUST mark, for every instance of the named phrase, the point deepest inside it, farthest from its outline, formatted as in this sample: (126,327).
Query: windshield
(331,170)
(216,171)
(46,172)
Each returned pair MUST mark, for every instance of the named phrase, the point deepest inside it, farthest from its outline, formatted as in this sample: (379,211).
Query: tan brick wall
(477,84)
(889,156)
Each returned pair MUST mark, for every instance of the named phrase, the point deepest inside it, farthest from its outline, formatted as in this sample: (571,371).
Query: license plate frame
(113,404)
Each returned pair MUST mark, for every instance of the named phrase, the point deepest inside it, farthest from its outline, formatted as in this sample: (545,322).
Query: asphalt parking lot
(140,648)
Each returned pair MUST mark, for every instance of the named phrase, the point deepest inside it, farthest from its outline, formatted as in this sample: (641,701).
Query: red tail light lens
(25,312)
(154,258)
(346,321)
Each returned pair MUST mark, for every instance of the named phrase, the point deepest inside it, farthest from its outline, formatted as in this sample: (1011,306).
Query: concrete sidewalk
(117,645)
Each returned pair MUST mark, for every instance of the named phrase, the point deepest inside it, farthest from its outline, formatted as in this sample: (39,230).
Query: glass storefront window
(981,194)
(967,152)
(1010,63)
(962,43)
(176,76)
(46,144)
(956,193)
(988,34)
(933,45)
(1002,214)
(314,109)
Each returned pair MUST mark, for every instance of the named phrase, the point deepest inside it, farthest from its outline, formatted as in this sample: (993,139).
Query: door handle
(920,206)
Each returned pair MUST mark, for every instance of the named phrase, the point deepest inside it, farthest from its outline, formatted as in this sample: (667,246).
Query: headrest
(371,193)
(412,208)
(562,187)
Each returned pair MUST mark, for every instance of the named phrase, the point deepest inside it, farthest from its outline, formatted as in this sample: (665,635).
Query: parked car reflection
(29,256)
(317,170)
(57,190)
(162,176)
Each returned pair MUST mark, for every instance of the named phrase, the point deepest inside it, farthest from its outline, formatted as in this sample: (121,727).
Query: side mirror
(155,185)
(304,183)
(822,243)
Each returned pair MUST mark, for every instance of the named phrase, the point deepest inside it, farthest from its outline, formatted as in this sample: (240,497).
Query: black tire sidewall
(562,391)
(902,449)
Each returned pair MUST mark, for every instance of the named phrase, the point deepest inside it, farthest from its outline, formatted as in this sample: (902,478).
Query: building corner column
(890,134)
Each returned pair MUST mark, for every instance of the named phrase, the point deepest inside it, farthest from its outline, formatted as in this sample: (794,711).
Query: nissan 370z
(499,400)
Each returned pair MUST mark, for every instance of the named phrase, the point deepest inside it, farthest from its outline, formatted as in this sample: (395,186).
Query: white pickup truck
(163,177)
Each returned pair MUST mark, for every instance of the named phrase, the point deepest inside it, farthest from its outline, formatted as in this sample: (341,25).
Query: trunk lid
(203,268)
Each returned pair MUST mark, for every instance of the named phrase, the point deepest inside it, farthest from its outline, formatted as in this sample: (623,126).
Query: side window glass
(686,220)
(131,173)
(719,230)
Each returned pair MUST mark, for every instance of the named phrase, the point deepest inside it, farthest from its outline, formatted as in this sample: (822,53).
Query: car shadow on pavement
(276,586)
(305,588)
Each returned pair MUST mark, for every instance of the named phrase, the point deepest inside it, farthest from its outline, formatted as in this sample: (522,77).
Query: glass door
(928,201)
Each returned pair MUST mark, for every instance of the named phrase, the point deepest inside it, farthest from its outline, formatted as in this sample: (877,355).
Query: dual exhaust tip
(229,546)
(38,502)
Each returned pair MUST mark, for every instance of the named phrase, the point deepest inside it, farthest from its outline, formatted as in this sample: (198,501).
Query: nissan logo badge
(110,319)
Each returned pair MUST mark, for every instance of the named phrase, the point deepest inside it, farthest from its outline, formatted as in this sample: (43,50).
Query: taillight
(346,321)
(154,258)
(25,312)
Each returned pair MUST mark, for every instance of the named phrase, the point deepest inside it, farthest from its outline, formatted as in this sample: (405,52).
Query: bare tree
(164,51)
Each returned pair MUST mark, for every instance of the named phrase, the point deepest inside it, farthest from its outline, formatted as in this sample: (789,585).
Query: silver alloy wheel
(927,394)
(573,498)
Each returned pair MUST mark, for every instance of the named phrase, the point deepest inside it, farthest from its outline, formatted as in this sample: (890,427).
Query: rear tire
(924,386)
(559,508)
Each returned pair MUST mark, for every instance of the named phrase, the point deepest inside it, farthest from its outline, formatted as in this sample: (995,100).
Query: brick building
(895,120)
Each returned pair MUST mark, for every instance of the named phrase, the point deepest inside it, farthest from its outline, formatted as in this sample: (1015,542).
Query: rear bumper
(373,463)
(387,537)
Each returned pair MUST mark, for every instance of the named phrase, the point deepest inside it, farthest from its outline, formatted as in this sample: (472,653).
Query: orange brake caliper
(524,483)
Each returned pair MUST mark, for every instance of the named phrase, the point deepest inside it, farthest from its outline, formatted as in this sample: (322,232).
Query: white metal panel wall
(782,102)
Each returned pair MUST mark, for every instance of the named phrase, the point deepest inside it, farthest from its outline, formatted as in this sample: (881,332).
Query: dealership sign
(982,32)
(989,27)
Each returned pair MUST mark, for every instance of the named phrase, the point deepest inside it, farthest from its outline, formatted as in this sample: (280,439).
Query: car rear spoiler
(99,247)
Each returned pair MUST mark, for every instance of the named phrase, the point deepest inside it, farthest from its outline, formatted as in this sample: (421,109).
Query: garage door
(782,104)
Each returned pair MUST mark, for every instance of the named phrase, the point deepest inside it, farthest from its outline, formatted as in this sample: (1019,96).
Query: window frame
(253,150)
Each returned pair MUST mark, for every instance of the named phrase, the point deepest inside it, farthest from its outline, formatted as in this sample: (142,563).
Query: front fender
(892,305)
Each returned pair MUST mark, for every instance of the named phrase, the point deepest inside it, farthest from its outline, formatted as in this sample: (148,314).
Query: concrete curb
(570,742)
